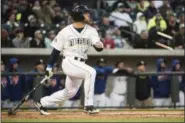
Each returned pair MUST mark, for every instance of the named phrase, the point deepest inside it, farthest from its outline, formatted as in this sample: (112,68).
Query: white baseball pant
(76,72)
(162,101)
(118,100)
(101,100)
(72,103)
(181,99)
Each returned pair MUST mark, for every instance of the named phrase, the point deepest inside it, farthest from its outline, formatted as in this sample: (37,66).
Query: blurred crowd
(121,23)
(150,90)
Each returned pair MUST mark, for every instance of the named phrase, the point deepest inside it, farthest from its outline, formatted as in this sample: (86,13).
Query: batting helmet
(78,11)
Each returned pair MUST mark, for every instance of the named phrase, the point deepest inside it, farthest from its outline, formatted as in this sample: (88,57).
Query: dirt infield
(112,115)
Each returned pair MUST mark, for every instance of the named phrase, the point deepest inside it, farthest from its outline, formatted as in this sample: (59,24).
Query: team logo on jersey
(79,41)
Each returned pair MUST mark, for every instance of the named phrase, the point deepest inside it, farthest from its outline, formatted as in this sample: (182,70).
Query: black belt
(77,58)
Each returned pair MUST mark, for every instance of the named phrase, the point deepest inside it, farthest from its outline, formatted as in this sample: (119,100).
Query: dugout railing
(130,88)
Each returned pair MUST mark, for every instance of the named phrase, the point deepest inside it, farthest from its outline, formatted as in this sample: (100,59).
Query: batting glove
(48,72)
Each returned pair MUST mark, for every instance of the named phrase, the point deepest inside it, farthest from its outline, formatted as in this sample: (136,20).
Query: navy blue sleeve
(53,57)
(109,69)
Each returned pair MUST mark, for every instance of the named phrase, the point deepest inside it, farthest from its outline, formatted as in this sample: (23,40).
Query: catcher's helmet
(78,11)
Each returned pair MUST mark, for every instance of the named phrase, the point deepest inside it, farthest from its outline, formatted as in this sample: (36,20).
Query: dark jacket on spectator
(163,10)
(15,88)
(5,40)
(179,40)
(161,86)
(141,43)
(21,77)
(33,44)
(172,28)
(4,88)
(150,12)
(29,30)
(142,87)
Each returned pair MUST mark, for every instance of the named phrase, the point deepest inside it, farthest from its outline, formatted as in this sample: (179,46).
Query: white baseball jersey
(120,85)
(73,43)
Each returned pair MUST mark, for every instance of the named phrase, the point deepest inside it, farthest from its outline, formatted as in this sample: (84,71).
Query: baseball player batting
(74,40)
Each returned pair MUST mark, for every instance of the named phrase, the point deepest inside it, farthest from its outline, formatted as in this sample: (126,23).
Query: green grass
(100,120)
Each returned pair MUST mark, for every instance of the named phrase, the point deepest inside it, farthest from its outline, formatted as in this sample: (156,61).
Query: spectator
(176,66)
(140,24)
(31,26)
(165,8)
(11,24)
(16,83)
(59,15)
(143,98)
(51,4)
(100,99)
(49,39)
(4,88)
(26,12)
(124,4)
(155,24)
(47,12)
(119,41)
(20,41)
(172,27)
(180,38)
(37,42)
(31,80)
(158,22)
(151,11)
(161,85)
(41,11)
(132,4)
(158,3)
(23,4)
(13,66)
(109,42)
(15,88)
(120,18)
(181,19)
(104,25)
(118,96)
(142,6)
(5,40)
(143,41)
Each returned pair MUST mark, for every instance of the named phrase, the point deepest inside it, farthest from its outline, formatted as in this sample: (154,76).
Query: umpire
(142,87)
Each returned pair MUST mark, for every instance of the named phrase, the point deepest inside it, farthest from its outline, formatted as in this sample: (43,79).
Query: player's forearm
(53,57)
(98,46)
(123,72)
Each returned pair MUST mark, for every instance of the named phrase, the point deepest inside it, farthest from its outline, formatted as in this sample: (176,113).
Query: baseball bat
(165,35)
(164,46)
(12,111)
